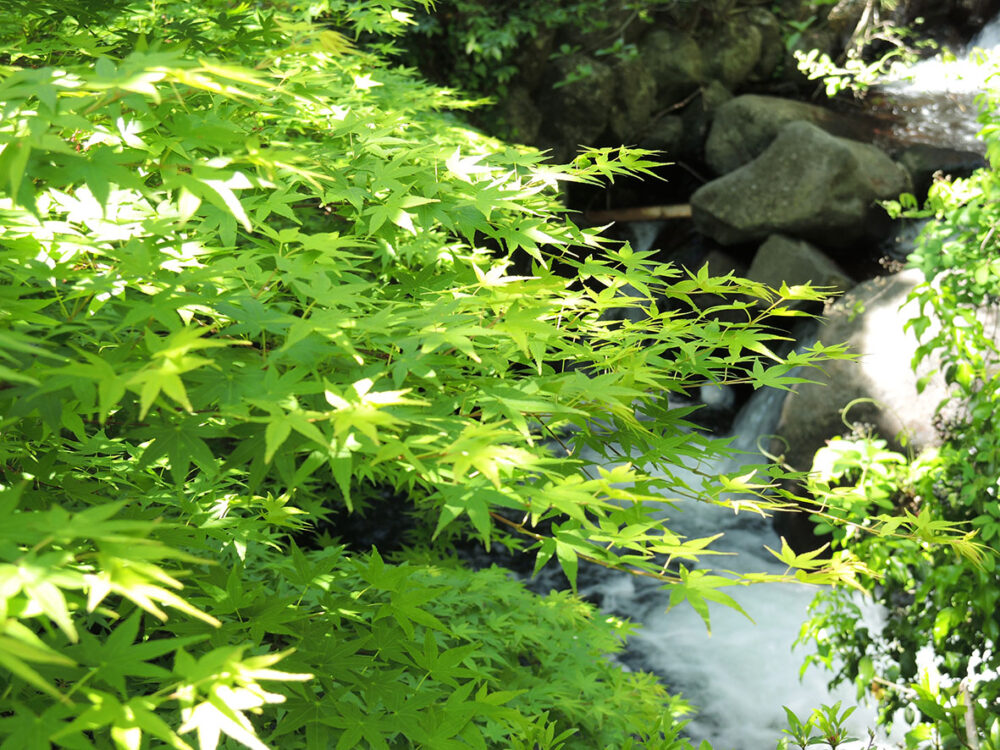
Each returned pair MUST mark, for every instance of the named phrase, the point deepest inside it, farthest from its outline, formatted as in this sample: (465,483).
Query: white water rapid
(935,98)
(741,675)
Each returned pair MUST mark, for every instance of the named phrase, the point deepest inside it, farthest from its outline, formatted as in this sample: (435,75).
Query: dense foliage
(480,45)
(254,278)
(937,655)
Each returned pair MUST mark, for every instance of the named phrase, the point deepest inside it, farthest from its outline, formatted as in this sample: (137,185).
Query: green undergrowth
(936,659)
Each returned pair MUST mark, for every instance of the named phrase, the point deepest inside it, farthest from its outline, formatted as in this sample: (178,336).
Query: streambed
(740,676)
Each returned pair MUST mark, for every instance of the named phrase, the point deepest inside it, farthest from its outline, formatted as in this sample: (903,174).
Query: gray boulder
(532,58)
(519,116)
(745,126)
(719,264)
(785,260)
(844,17)
(666,134)
(821,38)
(635,100)
(733,53)
(675,61)
(576,113)
(869,318)
(698,115)
(922,161)
(807,184)
(772,44)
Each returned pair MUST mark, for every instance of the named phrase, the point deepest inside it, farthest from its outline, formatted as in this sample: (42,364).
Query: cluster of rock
(685,63)
(800,196)
(806,183)
(795,191)
(662,96)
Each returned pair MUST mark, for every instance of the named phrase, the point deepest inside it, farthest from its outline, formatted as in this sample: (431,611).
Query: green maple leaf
(181,442)
(698,588)
(118,656)
(127,721)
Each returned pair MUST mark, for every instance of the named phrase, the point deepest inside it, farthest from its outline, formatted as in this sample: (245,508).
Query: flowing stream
(934,101)
(740,677)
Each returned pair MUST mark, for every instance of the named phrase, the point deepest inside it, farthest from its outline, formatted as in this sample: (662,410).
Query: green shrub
(251,275)
(481,45)
(944,597)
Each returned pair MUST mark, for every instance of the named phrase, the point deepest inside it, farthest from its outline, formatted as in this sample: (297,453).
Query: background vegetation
(936,659)
(480,46)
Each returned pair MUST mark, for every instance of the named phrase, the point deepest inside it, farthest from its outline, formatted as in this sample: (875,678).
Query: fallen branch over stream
(640,213)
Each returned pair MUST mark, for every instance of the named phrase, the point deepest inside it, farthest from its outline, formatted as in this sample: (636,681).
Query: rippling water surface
(742,675)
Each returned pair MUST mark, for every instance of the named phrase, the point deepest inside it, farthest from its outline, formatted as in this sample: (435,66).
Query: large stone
(922,161)
(734,53)
(870,320)
(807,184)
(822,39)
(698,115)
(636,98)
(518,116)
(745,126)
(532,59)
(785,260)
(666,134)
(576,113)
(844,17)
(675,61)
(719,264)
(772,43)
